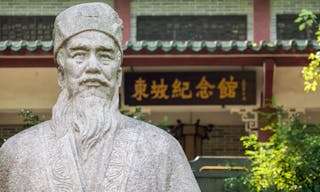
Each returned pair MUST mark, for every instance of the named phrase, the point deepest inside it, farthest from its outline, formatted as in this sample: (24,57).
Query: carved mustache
(94,79)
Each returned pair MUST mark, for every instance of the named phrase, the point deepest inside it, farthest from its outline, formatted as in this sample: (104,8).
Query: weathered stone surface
(88,145)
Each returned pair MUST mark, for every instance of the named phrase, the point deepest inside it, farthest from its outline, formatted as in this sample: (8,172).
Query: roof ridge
(180,46)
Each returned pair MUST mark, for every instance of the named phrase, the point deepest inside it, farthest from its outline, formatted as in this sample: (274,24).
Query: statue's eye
(105,56)
(79,55)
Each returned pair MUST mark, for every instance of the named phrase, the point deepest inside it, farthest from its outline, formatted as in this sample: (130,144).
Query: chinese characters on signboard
(191,88)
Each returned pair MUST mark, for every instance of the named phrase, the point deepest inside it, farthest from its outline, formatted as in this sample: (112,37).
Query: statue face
(91,63)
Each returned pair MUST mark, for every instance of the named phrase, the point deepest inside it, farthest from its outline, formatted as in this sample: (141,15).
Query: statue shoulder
(27,137)
(151,135)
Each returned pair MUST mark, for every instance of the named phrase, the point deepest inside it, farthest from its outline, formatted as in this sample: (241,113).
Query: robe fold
(134,157)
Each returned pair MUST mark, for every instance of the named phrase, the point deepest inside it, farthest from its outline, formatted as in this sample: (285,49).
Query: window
(231,27)
(29,28)
(287,29)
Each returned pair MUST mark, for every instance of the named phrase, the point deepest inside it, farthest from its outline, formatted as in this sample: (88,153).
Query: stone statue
(88,146)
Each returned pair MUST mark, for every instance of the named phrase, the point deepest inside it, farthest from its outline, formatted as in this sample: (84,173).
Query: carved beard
(88,116)
(90,120)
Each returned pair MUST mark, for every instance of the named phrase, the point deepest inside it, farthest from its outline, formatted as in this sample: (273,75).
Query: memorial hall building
(209,66)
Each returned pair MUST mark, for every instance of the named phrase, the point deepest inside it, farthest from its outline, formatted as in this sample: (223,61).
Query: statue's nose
(93,64)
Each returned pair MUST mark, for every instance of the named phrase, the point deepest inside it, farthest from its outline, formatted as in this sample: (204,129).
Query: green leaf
(298,20)
(309,22)
(302,26)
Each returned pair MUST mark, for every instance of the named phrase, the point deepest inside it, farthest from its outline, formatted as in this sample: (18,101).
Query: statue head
(87,49)
(88,52)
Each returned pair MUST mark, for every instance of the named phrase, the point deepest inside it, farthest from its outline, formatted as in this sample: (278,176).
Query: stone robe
(134,157)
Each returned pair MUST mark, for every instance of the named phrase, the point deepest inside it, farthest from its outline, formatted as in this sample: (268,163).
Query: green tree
(311,74)
(289,161)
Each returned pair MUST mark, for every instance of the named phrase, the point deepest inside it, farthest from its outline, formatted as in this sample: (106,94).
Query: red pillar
(123,9)
(261,20)
(268,76)
(261,31)
(268,73)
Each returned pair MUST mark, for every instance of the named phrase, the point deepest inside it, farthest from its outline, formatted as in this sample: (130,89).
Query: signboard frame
(190,88)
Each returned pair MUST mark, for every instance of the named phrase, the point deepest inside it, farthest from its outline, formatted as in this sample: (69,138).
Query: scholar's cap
(86,17)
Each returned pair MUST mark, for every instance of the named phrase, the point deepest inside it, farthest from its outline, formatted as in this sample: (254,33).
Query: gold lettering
(159,90)
(140,88)
(205,88)
(181,89)
(227,88)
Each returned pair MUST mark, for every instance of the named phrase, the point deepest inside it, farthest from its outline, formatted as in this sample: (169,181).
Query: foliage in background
(237,184)
(2,141)
(140,115)
(289,161)
(311,73)
(29,118)
(306,20)
(136,114)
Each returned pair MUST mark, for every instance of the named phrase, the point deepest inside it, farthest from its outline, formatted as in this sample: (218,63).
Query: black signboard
(191,88)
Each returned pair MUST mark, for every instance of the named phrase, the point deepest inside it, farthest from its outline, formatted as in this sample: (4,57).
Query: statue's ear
(60,61)
(119,76)
(61,79)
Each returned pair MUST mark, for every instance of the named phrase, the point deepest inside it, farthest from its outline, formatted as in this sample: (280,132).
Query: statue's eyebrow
(105,49)
(79,47)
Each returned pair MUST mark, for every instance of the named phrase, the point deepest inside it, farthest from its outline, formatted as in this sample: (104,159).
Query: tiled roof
(28,45)
(226,46)
(166,46)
